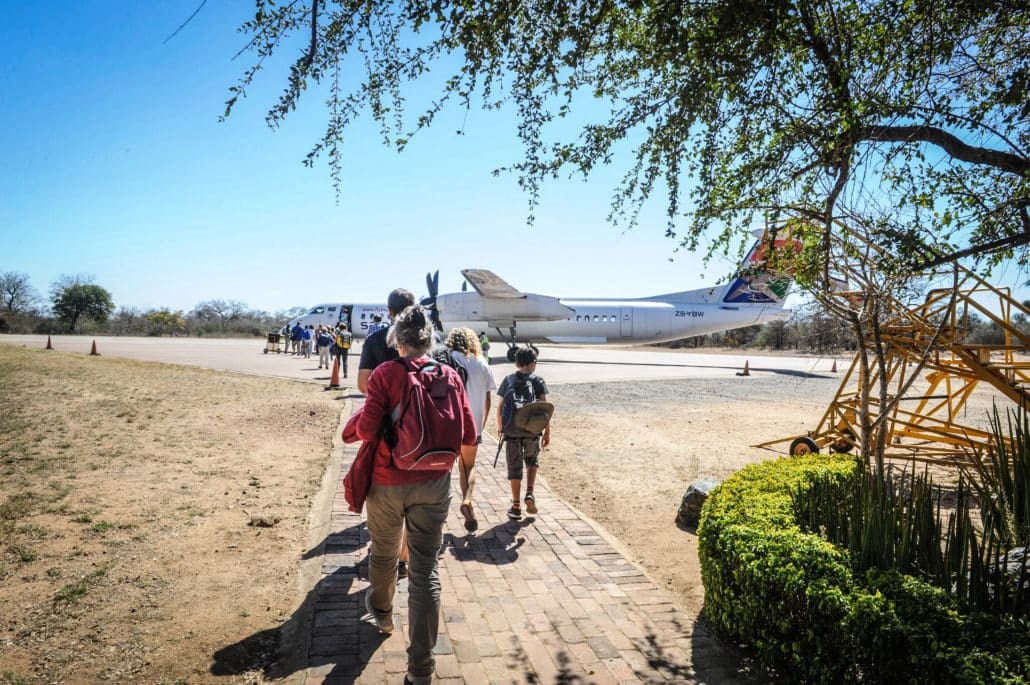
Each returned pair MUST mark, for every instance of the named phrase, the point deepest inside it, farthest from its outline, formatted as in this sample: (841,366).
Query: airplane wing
(497,302)
(489,284)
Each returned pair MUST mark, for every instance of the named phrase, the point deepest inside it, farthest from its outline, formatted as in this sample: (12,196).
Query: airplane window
(332,309)
(596,317)
(577,317)
(317,310)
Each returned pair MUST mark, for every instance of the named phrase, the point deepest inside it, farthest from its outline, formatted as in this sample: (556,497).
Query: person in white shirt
(479,386)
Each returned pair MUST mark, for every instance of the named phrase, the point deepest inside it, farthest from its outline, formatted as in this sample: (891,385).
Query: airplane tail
(764,276)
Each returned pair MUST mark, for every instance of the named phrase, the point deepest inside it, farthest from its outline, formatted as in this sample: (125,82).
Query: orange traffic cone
(834,369)
(93,352)
(746,371)
(49,345)
(334,380)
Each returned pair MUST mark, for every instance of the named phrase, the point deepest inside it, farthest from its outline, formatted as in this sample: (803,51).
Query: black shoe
(402,569)
(515,513)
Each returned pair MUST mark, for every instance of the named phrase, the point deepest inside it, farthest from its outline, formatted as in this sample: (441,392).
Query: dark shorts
(519,451)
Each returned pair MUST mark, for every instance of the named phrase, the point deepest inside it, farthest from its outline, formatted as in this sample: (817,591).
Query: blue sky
(115,165)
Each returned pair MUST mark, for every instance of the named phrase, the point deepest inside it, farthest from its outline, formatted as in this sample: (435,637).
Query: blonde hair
(464,340)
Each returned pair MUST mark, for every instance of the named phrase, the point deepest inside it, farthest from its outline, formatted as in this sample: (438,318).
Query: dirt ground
(153,518)
(624,454)
(128,497)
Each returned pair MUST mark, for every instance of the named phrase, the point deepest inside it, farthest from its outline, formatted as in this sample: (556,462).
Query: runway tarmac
(559,364)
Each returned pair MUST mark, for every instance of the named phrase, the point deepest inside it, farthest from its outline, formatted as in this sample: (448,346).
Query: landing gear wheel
(845,443)
(803,446)
(511,354)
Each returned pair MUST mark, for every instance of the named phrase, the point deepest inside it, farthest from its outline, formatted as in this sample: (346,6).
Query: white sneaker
(385,624)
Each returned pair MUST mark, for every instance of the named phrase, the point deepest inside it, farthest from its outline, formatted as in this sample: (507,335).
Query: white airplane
(358,317)
(754,296)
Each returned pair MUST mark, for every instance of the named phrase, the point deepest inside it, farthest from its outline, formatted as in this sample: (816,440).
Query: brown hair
(413,329)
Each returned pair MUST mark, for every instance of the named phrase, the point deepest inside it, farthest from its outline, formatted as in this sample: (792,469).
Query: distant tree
(65,281)
(774,334)
(127,321)
(981,331)
(17,293)
(222,311)
(164,322)
(76,302)
(288,314)
(129,318)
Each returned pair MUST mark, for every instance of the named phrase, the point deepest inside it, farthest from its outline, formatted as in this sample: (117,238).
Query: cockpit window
(332,308)
(317,310)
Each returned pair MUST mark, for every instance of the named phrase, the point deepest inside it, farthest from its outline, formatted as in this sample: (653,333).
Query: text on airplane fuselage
(689,313)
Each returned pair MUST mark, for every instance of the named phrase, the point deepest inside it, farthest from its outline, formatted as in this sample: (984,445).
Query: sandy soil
(129,494)
(625,453)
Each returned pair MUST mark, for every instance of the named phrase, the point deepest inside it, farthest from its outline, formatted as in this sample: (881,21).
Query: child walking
(521,448)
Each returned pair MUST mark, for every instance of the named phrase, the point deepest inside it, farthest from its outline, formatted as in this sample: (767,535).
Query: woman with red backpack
(415,499)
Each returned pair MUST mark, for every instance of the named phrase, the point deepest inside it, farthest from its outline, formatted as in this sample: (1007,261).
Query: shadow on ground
(346,640)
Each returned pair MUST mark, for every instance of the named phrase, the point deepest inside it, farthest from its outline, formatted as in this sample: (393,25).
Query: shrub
(794,598)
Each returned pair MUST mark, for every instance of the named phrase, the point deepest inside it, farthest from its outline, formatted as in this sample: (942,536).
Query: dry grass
(125,495)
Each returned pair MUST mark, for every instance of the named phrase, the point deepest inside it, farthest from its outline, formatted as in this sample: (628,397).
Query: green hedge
(794,599)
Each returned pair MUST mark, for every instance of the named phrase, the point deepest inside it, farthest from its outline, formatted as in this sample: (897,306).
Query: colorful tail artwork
(755,284)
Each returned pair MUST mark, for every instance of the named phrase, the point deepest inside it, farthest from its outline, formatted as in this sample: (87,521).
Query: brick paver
(542,600)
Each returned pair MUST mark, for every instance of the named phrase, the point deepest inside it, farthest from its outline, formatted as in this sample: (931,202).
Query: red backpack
(425,428)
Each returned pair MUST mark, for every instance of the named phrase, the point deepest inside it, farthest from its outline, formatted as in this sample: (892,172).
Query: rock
(263,521)
(690,508)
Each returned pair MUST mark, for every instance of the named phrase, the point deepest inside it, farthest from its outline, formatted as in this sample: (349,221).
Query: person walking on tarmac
(323,342)
(342,347)
(484,343)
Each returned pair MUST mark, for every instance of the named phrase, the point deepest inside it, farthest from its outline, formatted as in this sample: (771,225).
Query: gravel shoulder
(625,453)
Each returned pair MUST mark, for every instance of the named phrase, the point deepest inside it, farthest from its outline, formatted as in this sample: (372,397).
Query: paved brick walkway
(542,600)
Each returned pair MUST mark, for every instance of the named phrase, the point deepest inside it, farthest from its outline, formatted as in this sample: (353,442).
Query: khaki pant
(422,509)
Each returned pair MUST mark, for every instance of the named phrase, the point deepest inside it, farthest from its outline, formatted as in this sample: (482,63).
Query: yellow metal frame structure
(924,424)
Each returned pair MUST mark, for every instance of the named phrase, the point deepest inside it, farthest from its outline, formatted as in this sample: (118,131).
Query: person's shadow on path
(498,545)
(347,642)
(282,651)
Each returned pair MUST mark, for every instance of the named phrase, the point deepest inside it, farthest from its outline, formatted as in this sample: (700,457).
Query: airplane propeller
(433,285)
